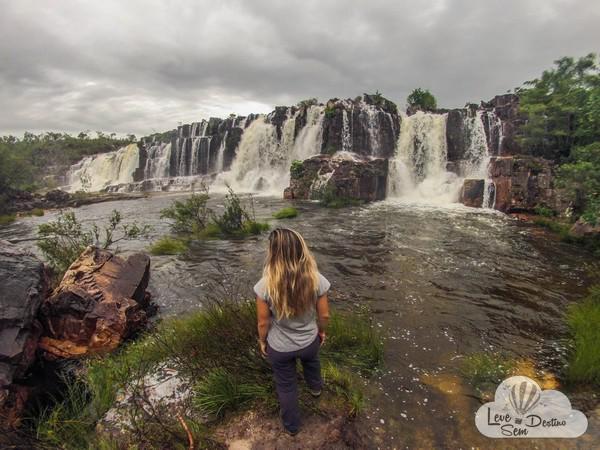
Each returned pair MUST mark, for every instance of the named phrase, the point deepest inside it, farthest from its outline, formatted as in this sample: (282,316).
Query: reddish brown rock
(524,182)
(100,301)
(583,229)
(472,193)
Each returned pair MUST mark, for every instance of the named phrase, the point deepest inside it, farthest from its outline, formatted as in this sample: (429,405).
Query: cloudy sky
(141,66)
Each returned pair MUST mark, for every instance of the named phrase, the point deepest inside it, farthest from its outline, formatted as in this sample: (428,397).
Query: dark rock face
(368,126)
(502,121)
(472,193)
(522,183)
(583,229)
(360,180)
(100,302)
(23,285)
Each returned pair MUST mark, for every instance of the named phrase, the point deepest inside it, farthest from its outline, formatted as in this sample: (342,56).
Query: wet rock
(472,193)
(364,180)
(100,301)
(524,182)
(367,126)
(502,122)
(23,285)
(586,230)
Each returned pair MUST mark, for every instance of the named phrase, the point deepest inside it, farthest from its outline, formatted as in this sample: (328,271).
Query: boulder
(357,179)
(585,230)
(23,285)
(100,301)
(524,182)
(472,193)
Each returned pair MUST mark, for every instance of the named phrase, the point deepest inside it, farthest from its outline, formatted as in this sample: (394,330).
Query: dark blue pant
(284,372)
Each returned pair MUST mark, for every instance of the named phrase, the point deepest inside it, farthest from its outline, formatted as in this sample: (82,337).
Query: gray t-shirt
(296,333)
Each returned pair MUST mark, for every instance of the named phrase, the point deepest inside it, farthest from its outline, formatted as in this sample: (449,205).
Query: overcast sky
(141,66)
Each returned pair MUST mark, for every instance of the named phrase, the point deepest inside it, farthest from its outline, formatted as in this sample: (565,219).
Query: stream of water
(442,282)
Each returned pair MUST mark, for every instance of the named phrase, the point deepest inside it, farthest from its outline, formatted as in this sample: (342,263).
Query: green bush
(330,112)
(190,215)
(297,168)
(63,240)
(286,213)
(168,246)
(583,320)
(6,219)
(544,211)
(421,99)
(328,197)
(485,371)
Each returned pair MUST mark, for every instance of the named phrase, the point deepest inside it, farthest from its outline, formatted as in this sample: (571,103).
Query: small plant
(421,99)
(168,246)
(329,198)
(191,215)
(63,240)
(286,213)
(7,219)
(484,371)
(584,359)
(544,211)
(330,112)
(238,219)
(297,168)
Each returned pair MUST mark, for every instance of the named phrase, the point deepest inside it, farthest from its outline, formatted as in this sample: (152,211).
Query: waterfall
(96,172)
(157,164)
(418,170)
(477,156)
(262,163)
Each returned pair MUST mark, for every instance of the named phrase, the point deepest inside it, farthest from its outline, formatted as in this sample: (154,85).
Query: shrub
(168,246)
(330,112)
(544,211)
(238,219)
(191,215)
(63,240)
(7,219)
(584,358)
(485,371)
(329,198)
(286,213)
(421,99)
(297,168)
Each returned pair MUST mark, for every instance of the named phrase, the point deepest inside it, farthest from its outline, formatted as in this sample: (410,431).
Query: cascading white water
(262,162)
(97,172)
(477,156)
(418,171)
(157,164)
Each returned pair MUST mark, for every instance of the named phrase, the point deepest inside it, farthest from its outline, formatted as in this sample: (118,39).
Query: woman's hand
(263,348)
(322,337)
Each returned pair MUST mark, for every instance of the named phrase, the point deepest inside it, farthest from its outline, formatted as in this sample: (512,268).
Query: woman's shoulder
(324,285)
(260,288)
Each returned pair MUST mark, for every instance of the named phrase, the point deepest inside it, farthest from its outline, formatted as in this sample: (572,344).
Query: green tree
(562,108)
(421,99)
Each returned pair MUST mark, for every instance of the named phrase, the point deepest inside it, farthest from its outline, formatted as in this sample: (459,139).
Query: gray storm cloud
(142,66)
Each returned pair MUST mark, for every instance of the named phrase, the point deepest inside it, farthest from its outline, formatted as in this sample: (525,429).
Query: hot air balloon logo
(523,397)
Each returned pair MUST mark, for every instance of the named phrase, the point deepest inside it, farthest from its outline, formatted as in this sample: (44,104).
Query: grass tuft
(485,371)
(286,213)
(7,219)
(583,320)
(168,246)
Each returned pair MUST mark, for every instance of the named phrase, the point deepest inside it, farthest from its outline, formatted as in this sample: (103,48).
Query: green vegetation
(421,99)
(286,213)
(485,371)
(62,241)
(168,246)
(584,359)
(6,219)
(330,111)
(194,219)
(329,198)
(215,352)
(308,103)
(297,168)
(544,211)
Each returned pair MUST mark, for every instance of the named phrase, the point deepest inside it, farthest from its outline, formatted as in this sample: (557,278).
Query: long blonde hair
(291,274)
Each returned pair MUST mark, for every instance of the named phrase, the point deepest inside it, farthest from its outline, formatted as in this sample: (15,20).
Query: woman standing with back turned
(292,310)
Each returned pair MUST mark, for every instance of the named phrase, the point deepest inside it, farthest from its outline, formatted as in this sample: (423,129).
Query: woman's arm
(263,317)
(322,316)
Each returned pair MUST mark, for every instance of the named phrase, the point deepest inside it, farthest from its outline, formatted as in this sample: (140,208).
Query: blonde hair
(290,273)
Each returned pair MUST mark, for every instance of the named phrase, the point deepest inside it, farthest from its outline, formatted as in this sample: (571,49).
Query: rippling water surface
(441,282)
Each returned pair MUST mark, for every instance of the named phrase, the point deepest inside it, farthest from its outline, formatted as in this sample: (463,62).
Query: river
(441,282)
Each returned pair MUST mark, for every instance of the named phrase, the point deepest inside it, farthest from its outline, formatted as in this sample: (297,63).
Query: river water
(442,282)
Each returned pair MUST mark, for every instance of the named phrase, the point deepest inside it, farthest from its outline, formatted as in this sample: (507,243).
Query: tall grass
(286,213)
(215,351)
(485,371)
(583,320)
(168,246)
